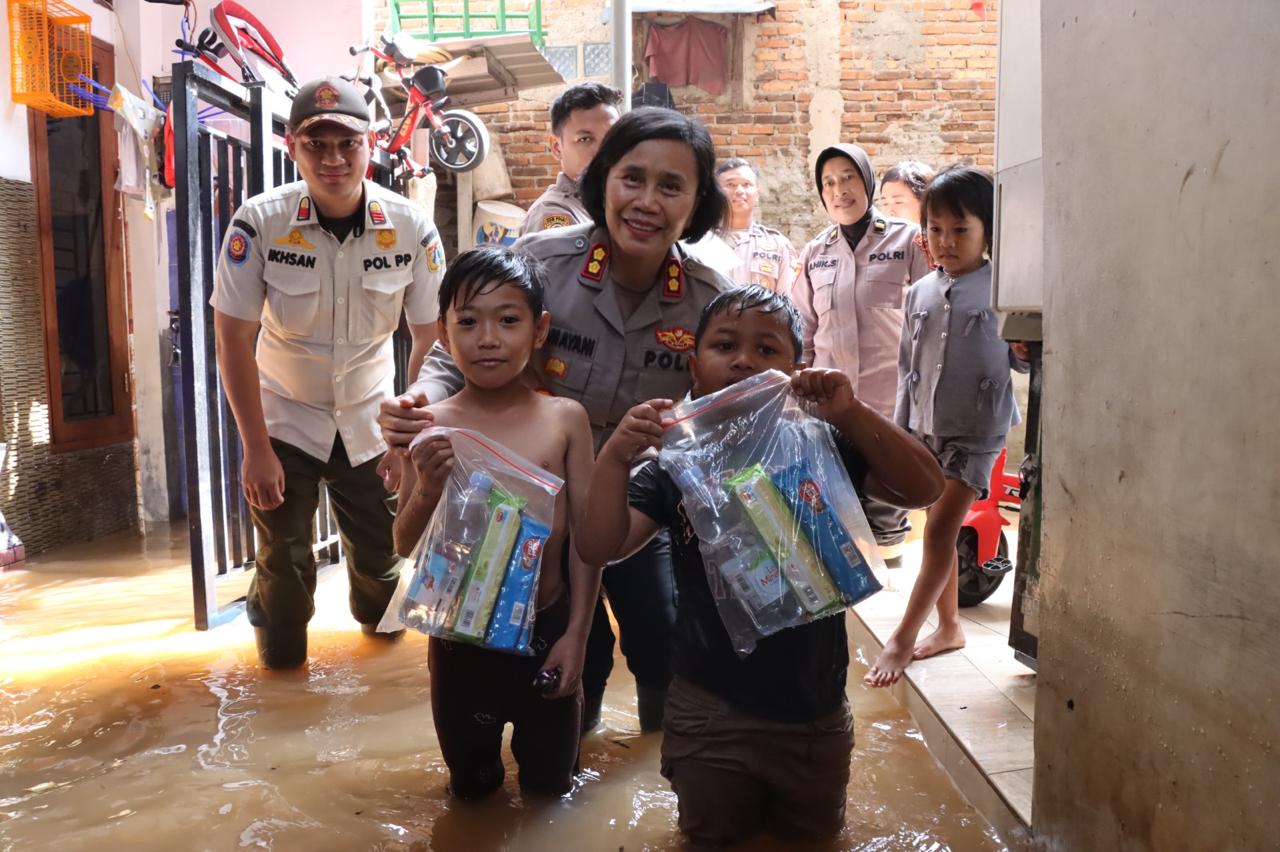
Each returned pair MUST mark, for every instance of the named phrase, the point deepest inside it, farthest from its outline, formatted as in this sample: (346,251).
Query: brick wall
(903,78)
(48,499)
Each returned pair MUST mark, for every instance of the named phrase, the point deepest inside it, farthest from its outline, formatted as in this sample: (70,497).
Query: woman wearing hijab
(853,278)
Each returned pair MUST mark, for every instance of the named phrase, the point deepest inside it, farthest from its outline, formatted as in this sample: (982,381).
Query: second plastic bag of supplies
(781,528)
(475,570)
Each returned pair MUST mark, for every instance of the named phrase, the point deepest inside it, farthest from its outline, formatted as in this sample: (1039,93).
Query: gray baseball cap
(329,99)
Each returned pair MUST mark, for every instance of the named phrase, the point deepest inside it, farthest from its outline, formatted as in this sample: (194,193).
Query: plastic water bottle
(473,515)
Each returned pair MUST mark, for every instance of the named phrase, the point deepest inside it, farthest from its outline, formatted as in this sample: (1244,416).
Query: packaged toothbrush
(474,575)
(780,526)
(509,626)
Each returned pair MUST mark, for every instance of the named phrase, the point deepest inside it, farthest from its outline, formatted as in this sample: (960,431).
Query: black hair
(647,123)
(486,268)
(587,95)
(961,190)
(753,297)
(736,163)
(915,174)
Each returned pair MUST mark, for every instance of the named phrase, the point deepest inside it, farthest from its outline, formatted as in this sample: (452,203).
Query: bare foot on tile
(945,638)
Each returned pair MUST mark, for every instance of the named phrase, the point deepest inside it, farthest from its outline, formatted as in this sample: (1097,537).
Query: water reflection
(121,727)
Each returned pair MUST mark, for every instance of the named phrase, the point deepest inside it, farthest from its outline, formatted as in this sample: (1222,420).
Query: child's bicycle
(981,547)
(234,33)
(459,140)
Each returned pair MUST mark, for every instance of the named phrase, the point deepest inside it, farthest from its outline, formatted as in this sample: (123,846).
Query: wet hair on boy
(753,297)
(485,269)
(587,95)
(961,190)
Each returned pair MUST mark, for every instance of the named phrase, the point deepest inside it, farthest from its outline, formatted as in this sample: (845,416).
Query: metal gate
(214,172)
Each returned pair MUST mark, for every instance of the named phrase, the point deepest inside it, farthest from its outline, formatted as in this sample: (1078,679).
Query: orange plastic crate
(50,46)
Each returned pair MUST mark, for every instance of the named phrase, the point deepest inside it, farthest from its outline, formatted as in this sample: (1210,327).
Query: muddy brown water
(121,727)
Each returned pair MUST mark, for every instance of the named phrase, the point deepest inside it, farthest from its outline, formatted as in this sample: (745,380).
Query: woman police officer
(624,296)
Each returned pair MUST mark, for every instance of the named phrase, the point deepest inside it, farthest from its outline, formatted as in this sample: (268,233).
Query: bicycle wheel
(461,143)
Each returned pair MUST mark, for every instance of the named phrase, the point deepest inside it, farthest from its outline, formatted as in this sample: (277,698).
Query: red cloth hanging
(693,52)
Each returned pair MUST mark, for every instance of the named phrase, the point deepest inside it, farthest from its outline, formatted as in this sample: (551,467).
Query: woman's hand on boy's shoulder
(829,391)
(640,429)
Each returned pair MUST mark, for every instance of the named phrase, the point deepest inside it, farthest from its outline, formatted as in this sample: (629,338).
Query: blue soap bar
(822,526)
(510,625)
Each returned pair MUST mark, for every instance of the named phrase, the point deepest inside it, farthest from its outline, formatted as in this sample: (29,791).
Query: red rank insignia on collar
(304,209)
(673,286)
(376,216)
(597,259)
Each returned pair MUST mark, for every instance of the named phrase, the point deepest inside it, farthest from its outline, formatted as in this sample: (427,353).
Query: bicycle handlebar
(357,49)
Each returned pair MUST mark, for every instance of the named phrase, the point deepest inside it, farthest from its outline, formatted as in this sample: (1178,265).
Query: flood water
(121,727)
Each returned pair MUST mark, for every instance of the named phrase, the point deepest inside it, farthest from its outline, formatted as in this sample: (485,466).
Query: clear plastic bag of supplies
(781,530)
(475,570)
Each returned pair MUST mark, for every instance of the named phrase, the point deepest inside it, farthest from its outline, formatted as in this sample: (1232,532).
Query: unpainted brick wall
(47,498)
(903,78)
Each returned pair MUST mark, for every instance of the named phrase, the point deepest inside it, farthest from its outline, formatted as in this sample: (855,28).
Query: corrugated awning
(693,7)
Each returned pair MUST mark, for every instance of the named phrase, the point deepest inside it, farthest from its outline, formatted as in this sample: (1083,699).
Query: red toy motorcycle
(982,548)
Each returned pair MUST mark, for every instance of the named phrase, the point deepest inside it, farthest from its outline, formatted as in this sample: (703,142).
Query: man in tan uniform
(580,118)
(767,257)
(310,285)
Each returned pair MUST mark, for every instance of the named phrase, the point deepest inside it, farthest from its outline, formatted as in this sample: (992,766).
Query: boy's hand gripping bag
(781,528)
(476,567)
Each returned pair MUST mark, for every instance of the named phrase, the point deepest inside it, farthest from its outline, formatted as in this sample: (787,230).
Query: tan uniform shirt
(768,258)
(594,353)
(559,207)
(327,309)
(851,303)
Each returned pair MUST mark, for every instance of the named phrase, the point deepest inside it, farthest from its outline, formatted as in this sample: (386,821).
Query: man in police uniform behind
(580,117)
(323,267)
(767,257)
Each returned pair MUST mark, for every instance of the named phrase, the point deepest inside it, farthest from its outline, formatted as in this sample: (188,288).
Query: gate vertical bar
(208,358)
(191,261)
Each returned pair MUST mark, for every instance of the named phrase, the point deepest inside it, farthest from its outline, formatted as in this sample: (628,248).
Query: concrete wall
(1156,719)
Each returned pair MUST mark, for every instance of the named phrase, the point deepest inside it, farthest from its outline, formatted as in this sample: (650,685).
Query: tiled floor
(980,696)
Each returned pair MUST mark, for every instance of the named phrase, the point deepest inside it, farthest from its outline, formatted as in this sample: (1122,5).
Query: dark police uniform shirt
(593,353)
(795,675)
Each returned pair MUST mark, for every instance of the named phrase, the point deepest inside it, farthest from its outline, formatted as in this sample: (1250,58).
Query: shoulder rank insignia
(376,216)
(555,220)
(304,209)
(879,225)
(387,239)
(673,288)
(596,260)
(294,239)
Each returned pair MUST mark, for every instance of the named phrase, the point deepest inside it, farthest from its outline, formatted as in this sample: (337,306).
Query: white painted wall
(1157,722)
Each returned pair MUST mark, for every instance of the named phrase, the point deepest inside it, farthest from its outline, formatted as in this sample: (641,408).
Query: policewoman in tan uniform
(624,298)
(310,285)
(580,117)
(766,256)
(853,278)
